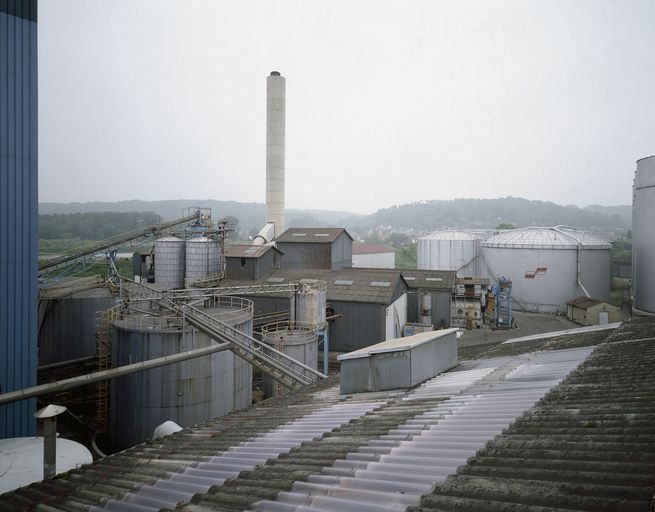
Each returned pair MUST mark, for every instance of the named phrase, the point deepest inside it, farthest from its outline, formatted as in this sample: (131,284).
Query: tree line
(93,226)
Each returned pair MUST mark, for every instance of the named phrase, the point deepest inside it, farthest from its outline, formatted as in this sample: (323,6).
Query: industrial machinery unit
(502,293)
(549,266)
(186,393)
(643,236)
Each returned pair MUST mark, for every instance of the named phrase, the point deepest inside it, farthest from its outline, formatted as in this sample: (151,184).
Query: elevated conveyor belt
(102,245)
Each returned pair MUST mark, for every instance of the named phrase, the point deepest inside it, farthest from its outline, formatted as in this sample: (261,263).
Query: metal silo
(549,266)
(169,262)
(643,236)
(202,257)
(186,393)
(449,250)
(72,319)
(308,305)
(298,340)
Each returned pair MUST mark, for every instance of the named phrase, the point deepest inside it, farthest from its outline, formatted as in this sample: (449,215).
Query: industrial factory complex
(302,371)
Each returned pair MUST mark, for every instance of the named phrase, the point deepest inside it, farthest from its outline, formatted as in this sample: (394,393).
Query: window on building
(243,262)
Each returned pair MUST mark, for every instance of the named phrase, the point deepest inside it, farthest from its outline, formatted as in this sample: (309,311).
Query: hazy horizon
(388,102)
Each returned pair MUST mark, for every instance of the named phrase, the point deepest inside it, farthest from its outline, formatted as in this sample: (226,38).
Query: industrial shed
(367,306)
(251,262)
(327,248)
(429,296)
(588,311)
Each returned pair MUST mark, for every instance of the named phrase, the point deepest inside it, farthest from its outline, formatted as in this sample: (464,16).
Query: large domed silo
(549,266)
(449,250)
(643,236)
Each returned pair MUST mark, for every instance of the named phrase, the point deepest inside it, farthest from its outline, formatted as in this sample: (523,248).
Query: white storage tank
(169,262)
(449,250)
(202,257)
(643,236)
(298,340)
(188,392)
(549,266)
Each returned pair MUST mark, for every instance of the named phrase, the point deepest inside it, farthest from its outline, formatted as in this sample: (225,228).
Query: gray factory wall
(233,269)
(361,325)
(342,252)
(305,255)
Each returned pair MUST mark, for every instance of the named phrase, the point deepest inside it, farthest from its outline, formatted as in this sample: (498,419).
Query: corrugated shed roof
(372,249)
(311,235)
(430,279)
(248,251)
(587,445)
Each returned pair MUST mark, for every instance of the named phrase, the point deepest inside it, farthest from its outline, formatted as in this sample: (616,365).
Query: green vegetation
(406,256)
(92,226)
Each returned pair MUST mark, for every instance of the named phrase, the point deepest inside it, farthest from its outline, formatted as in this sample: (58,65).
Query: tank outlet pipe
(579,270)
(112,373)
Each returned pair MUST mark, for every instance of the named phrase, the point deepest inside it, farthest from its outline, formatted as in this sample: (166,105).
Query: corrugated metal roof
(248,251)
(430,279)
(557,237)
(372,249)
(311,235)
(586,445)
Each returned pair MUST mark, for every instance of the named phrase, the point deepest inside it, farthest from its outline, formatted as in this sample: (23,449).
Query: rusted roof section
(583,302)
(430,279)
(311,235)
(372,249)
(248,251)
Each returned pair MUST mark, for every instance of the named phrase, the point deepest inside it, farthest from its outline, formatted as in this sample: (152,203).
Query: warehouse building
(373,256)
(251,262)
(328,248)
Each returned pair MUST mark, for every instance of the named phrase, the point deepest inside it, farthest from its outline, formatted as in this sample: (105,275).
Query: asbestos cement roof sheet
(311,235)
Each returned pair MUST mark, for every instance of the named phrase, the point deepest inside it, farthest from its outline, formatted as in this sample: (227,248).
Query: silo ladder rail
(280,368)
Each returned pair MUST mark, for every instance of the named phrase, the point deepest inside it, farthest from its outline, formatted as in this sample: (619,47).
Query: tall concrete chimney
(275,128)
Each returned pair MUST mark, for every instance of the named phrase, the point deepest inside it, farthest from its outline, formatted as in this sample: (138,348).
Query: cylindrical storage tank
(202,257)
(69,327)
(308,305)
(549,266)
(643,236)
(188,392)
(298,340)
(169,262)
(449,250)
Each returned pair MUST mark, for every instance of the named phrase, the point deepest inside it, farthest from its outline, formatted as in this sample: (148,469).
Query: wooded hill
(92,222)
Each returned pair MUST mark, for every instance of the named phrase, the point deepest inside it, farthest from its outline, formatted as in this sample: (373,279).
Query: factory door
(603,317)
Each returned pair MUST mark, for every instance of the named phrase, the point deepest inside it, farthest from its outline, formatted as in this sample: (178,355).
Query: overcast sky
(388,102)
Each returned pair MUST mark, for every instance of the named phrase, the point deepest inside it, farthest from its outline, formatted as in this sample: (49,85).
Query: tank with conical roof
(187,393)
(449,250)
(203,257)
(169,262)
(549,266)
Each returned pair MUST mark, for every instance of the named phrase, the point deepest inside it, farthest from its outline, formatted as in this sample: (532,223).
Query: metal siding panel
(18,219)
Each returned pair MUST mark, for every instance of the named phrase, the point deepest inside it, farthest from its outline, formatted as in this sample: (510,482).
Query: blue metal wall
(18,211)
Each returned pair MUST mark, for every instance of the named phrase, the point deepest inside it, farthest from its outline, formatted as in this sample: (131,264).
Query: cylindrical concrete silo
(449,250)
(186,393)
(169,262)
(643,236)
(298,340)
(275,144)
(549,266)
(203,257)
